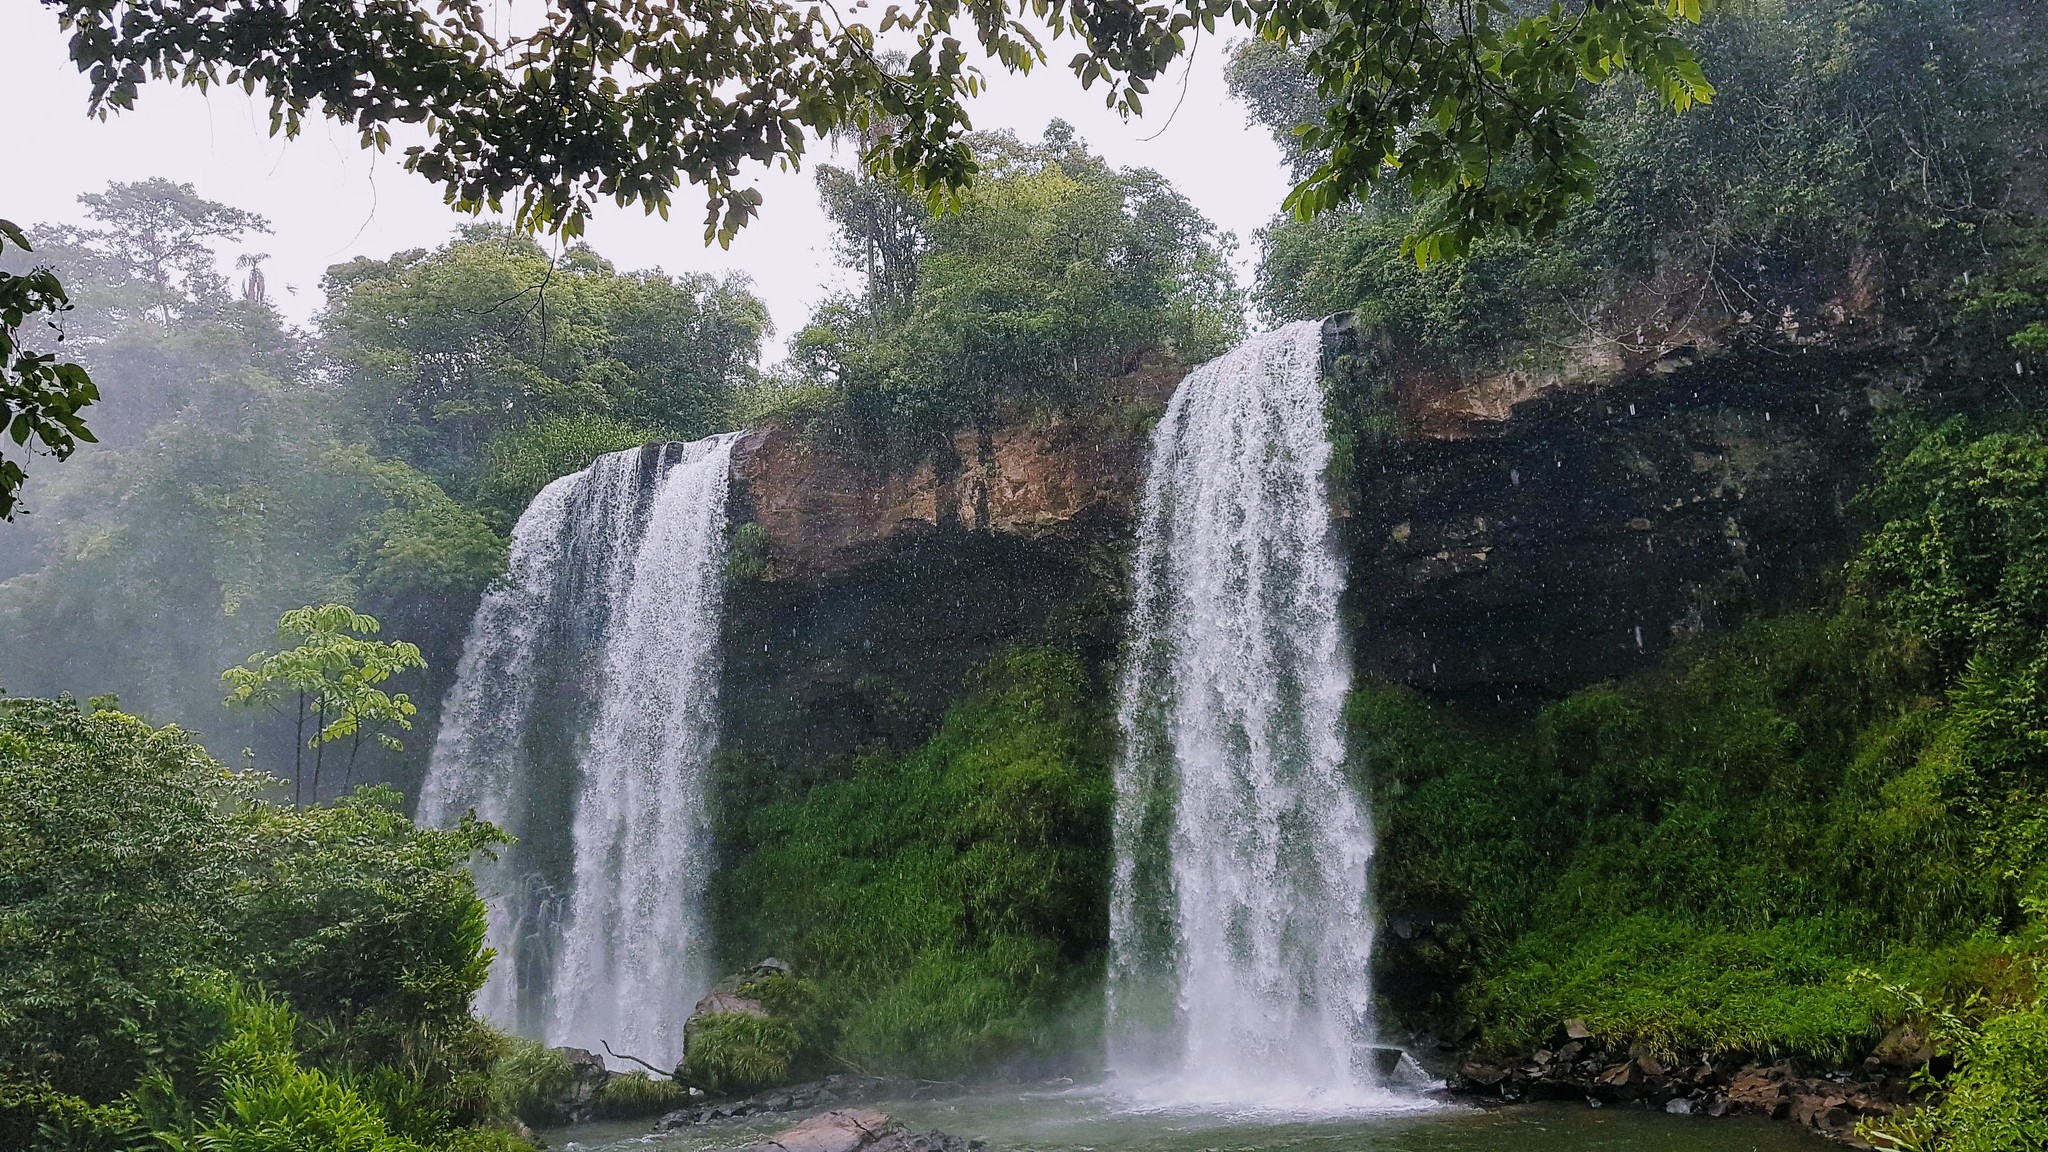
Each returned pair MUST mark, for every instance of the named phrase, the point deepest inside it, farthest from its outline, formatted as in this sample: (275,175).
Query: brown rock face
(827,510)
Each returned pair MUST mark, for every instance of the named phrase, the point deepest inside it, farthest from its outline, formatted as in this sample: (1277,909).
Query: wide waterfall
(582,720)
(1240,923)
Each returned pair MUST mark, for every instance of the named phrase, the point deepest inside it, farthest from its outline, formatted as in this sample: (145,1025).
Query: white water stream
(1241,929)
(582,720)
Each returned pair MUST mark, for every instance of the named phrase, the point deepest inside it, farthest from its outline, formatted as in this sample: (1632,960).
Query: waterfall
(582,720)
(1240,924)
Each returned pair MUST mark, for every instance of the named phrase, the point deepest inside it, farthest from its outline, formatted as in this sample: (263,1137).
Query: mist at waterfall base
(1241,930)
(582,721)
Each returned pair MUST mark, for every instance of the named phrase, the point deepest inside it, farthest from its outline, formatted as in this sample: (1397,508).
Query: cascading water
(1240,924)
(582,720)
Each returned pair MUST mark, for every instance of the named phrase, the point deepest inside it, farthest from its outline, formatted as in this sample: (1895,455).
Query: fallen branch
(606,1044)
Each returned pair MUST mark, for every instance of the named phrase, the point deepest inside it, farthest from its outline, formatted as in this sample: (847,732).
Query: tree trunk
(299,753)
(348,770)
(319,748)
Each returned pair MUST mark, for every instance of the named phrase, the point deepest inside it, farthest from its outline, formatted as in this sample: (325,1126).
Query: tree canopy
(624,100)
(441,353)
(1056,272)
(41,396)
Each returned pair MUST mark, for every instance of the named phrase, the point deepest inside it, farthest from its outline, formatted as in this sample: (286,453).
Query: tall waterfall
(582,720)
(1240,923)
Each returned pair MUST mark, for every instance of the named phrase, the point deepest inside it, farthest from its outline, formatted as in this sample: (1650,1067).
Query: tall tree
(157,236)
(1057,272)
(332,679)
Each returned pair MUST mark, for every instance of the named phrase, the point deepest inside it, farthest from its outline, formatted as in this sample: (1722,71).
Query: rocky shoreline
(831,1092)
(1580,1066)
(859,1130)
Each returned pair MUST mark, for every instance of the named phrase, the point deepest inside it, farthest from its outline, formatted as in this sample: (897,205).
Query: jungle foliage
(1754,849)
(948,904)
(444,354)
(1055,273)
(1866,160)
(187,964)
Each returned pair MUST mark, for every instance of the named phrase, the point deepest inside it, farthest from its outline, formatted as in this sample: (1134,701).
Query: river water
(1086,1120)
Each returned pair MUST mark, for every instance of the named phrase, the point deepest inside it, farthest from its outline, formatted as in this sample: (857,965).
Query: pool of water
(1090,1120)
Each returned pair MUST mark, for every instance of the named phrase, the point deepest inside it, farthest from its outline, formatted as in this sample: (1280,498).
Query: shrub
(1776,992)
(737,1052)
(529,1080)
(139,879)
(630,1095)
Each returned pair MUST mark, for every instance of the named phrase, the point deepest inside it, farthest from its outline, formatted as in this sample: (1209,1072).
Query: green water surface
(1088,1121)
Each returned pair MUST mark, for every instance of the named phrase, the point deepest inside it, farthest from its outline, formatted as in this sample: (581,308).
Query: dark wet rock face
(1830,1103)
(1584,533)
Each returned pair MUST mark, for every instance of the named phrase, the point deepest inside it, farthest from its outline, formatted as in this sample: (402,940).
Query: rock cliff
(1503,541)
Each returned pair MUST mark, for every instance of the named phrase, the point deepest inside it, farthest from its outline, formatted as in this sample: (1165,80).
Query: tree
(156,235)
(41,397)
(625,99)
(439,354)
(1057,273)
(139,878)
(333,675)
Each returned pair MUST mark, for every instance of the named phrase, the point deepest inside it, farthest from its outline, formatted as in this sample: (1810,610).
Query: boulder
(1483,1075)
(859,1130)
(739,995)
(1761,1090)
(1906,1046)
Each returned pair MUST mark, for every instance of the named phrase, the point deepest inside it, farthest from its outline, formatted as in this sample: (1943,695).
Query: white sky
(329,201)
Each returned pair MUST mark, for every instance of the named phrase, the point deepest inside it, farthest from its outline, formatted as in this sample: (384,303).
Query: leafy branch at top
(625,100)
(40,396)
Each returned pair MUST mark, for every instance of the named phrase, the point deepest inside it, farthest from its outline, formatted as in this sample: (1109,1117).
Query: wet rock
(831,1091)
(1832,1103)
(1387,1061)
(1906,1046)
(1483,1075)
(1761,1090)
(587,1076)
(860,1130)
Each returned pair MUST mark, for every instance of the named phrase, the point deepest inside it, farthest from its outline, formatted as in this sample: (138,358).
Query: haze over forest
(1469,565)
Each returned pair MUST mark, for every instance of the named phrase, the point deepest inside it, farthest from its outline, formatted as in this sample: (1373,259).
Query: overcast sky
(329,200)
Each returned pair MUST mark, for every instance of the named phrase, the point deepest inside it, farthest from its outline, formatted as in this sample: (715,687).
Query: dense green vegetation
(189,964)
(1860,158)
(948,904)
(1782,843)
(487,359)
(1055,274)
